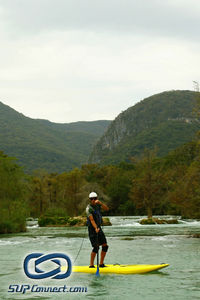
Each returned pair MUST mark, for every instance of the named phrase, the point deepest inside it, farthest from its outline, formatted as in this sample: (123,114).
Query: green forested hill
(43,144)
(164,121)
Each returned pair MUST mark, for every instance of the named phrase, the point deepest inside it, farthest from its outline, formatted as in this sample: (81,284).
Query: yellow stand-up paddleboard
(119,269)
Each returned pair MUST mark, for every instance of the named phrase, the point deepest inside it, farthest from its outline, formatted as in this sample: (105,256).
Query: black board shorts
(97,239)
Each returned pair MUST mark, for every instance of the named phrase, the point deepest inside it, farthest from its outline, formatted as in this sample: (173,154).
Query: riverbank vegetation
(13,196)
(146,186)
(149,185)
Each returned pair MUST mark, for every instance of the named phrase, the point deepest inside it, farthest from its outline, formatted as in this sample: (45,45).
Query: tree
(118,188)
(40,196)
(72,188)
(148,185)
(186,194)
(13,195)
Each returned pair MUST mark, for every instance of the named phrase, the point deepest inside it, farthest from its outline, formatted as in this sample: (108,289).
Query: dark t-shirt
(94,211)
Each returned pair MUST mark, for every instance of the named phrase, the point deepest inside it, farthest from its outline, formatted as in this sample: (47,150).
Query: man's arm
(94,223)
(104,206)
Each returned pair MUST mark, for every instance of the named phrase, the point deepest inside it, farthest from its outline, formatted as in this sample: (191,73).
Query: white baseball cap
(92,195)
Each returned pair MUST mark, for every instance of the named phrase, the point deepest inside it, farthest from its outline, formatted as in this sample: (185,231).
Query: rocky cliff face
(115,133)
(147,124)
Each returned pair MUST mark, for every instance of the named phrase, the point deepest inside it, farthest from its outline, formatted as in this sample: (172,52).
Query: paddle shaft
(98,259)
(97,272)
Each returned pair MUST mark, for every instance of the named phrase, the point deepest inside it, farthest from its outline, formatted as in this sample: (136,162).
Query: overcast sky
(73,60)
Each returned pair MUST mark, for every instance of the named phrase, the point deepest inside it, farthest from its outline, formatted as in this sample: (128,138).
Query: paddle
(97,272)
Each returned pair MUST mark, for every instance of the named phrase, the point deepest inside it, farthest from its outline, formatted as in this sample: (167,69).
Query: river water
(129,243)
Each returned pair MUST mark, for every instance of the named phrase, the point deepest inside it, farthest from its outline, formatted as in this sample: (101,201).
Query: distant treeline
(146,186)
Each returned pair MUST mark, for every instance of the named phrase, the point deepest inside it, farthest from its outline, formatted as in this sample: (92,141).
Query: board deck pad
(119,269)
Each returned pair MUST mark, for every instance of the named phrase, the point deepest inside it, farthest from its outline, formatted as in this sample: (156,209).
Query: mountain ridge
(38,143)
(157,121)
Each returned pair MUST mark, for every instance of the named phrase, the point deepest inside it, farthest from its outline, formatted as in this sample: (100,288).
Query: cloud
(69,60)
(169,17)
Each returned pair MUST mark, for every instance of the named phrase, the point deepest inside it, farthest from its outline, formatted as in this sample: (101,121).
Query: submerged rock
(151,221)
(196,235)
(106,222)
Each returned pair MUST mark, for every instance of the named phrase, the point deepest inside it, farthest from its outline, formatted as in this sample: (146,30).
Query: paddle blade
(97,272)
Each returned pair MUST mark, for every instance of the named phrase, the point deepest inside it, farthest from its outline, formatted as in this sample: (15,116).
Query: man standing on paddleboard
(96,234)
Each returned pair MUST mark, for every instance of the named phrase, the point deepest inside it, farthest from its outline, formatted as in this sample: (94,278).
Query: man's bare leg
(92,257)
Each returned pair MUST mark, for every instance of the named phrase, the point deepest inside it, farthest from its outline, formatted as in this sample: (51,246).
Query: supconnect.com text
(24,288)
